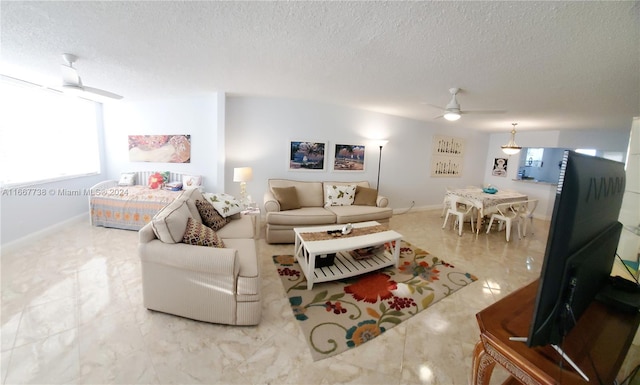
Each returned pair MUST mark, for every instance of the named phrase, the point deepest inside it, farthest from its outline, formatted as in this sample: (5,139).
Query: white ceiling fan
(452,111)
(71,81)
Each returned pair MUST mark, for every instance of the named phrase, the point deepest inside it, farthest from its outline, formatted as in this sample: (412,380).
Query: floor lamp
(381,143)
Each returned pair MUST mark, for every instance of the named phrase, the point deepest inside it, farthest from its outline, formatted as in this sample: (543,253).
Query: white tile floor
(72,313)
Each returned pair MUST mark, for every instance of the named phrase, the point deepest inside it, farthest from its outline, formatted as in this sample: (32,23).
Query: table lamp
(243,175)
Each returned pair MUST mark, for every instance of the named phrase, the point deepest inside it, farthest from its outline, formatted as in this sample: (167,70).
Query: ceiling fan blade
(100,92)
(434,106)
(484,112)
(70,76)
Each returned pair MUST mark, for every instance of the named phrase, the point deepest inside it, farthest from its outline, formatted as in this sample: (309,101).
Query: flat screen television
(581,246)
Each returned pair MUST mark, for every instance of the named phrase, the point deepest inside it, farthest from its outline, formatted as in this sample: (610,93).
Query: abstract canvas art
(447,156)
(160,148)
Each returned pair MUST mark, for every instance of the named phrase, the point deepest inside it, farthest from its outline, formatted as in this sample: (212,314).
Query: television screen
(581,245)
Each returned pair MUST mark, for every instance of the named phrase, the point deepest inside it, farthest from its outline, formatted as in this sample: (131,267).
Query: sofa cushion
(287,197)
(242,227)
(170,223)
(191,196)
(210,216)
(305,216)
(198,234)
(365,196)
(340,195)
(310,194)
(226,204)
(353,214)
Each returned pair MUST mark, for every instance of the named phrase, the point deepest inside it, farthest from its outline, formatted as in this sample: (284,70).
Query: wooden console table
(601,339)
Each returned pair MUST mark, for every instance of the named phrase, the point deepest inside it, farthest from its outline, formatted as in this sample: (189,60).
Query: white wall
(605,140)
(258,132)
(196,116)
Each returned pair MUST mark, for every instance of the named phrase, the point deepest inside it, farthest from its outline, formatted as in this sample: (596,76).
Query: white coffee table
(344,264)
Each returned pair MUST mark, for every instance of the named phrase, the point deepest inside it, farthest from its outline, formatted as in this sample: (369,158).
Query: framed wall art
(448,145)
(499,167)
(160,148)
(307,156)
(446,166)
(348,157)
(447,157)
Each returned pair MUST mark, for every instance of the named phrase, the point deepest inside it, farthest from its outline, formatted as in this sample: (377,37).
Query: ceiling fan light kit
(453,108)
(452,111)
(452,116)
(512,148)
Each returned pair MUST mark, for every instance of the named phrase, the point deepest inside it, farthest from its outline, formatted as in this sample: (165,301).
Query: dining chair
(527,214)
(445,202)
(507,214)
(462,209)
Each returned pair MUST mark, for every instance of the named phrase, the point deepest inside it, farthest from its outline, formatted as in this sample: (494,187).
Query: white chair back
(527,213)
(508,213)
(446,201)
(462,209)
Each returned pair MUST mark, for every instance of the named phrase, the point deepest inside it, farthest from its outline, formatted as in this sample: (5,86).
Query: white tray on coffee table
(344,264)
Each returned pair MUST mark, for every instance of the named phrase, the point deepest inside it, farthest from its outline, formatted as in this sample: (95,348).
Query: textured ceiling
(550,65)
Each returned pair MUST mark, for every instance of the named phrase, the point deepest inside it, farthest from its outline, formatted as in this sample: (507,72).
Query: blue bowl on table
(490,190)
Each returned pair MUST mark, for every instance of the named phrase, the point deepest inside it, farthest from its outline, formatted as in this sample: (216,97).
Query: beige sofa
(311,207)
(211,284)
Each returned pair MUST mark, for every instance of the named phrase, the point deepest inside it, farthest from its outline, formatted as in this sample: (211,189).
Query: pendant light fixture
(512,148)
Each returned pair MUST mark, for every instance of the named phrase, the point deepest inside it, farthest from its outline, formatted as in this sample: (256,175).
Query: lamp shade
(512,148)
(242,174)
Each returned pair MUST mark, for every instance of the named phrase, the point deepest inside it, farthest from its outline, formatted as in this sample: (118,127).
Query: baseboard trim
(33,237)
(405,210)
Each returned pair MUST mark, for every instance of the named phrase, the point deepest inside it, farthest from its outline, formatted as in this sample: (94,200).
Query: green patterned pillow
(200,235)
(225,204)
(341,195)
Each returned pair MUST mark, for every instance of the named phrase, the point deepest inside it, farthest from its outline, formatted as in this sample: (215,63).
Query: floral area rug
(340,315)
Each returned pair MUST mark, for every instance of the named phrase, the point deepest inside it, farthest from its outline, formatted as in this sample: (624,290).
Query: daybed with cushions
(289,204)
(131,202)
(198,264)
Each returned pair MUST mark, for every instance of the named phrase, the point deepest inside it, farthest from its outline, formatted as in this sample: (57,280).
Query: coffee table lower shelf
(345,266)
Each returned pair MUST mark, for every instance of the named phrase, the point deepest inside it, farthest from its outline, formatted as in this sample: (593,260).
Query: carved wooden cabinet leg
(482,367)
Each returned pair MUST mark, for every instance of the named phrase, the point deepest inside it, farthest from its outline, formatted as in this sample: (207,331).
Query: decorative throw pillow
(156,180)
(287,197)
(127,179)
(225,204)
(340,195)
(210,217)
(169,223)
(365,196)
(191,181)
(165,176)
(200,235)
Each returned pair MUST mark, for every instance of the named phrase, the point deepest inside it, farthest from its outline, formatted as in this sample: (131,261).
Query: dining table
(485,203)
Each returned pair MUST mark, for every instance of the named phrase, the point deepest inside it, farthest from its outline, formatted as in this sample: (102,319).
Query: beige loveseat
(211,284)
(290,203)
